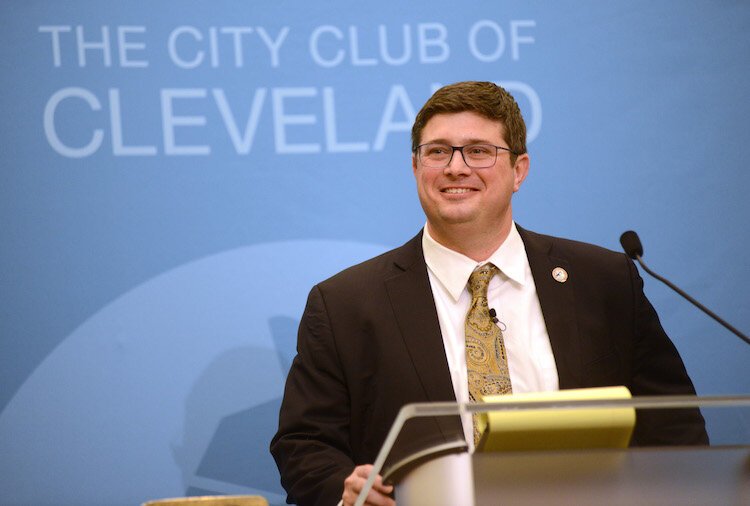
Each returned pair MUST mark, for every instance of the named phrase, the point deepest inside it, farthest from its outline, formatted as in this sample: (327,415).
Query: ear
(520,170)
(414,164)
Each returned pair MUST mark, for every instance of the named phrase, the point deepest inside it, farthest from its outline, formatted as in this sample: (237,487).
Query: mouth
(456,191)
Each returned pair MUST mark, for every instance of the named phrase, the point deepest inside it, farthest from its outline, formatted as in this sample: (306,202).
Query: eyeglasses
(477,156)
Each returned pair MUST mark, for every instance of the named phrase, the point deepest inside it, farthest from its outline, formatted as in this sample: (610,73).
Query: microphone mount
(634,249)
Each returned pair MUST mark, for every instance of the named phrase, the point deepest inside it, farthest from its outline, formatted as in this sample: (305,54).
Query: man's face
(458,194)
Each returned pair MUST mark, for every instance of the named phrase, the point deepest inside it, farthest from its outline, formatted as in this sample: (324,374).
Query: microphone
(493,315)
(634,249)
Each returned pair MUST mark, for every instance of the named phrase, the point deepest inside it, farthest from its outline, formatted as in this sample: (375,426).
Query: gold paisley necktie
(486,361)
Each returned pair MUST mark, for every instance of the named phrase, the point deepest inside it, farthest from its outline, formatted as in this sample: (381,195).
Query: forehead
(462,127)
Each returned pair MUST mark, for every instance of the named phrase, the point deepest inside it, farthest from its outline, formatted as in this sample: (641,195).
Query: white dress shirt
(512,293)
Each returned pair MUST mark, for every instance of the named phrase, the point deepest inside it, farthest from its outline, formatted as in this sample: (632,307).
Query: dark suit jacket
(370,342)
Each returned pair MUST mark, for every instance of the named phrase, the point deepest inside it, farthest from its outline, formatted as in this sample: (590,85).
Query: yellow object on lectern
(553,429)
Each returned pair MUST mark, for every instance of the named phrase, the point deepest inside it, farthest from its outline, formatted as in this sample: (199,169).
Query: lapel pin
(560,274)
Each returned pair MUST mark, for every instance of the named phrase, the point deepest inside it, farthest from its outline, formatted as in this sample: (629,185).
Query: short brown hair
(484,98)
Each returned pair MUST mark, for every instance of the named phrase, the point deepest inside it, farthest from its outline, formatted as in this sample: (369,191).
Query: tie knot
(480,280)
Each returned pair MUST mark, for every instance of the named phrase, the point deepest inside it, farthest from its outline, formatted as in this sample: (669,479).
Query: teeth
(457,190)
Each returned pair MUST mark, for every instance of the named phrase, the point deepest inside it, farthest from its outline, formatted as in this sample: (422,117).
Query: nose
(457,165)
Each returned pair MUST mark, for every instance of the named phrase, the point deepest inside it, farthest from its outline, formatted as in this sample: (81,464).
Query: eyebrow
(466,142)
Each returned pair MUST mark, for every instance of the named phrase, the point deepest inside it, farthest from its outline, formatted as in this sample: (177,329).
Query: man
(393,330)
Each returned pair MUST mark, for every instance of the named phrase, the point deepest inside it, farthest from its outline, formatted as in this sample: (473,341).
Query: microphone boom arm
(693,301)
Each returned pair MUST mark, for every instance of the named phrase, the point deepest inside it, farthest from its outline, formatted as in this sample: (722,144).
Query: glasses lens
(480,155)
(435,155)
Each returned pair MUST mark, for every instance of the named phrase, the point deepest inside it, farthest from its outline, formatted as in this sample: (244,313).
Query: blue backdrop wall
(176,176)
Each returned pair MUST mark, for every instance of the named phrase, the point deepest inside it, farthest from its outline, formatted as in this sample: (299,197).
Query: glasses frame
(460,149)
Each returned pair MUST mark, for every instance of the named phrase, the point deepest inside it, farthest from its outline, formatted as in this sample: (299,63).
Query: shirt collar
(453,269)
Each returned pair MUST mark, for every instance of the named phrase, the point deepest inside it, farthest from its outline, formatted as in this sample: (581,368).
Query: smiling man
(473,305)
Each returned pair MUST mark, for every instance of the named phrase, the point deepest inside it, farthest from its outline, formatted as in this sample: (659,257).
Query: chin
(457,218)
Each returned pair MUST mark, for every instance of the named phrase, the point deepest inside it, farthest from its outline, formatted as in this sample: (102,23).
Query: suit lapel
(413,304)
(558,306)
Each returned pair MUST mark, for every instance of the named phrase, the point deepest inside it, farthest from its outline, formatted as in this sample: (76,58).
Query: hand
(355,482)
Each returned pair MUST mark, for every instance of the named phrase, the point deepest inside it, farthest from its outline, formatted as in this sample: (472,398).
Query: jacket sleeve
(659,370)
(311,447)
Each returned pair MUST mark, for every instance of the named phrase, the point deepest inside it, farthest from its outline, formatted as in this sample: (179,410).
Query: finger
(382,487)
(378,495)
(375,498)
(364,470)
(353,485)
